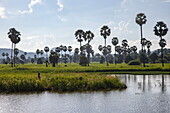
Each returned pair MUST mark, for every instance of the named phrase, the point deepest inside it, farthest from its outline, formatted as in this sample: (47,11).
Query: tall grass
(59,82)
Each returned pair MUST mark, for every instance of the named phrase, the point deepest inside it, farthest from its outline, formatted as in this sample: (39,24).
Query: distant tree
(161,30)
(22,61)
(16,51)
(7,58)
(143,55)
(38,52)
(70,49)
(14,36)
(53,58)
(75,58)
(46,49)
(140,20)
(124,48)
(105,32)
(88,36)
(115,41)
(148,44)
(3,55)
(41,52)
(79,34)
(32,60)
(65,50)
(153,57)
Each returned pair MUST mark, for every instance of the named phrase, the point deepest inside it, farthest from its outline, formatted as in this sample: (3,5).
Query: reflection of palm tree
(115,41)
(105,31)
(161,30)
(14,36)
(141,19)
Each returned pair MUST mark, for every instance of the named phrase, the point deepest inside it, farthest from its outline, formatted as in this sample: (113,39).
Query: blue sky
(54,22)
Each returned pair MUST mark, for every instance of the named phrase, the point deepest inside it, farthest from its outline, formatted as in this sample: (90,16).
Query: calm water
(145,94)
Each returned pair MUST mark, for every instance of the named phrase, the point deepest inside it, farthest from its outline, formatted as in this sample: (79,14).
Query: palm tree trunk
(142,46)
(70,57)
(14,54)
(105,42)
(115,55)
(46,60)
(11,55)
(162,56)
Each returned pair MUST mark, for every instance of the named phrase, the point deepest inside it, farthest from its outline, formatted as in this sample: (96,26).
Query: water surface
(145,94)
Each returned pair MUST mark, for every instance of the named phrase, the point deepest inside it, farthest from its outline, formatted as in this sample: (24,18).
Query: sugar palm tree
(124,47)
(88,36)
(105,32)
(140,20)
(65,49)
(3,54)
(41,52)
(38,52)
(161,30)
(14,36)
(115,41)
(70,49)
(46,49)
(148,45)
(79,34)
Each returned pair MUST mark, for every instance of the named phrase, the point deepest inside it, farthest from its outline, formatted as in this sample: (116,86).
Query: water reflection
(145,94)
(151,83)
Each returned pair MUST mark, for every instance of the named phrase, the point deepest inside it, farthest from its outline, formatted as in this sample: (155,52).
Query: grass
(23,78)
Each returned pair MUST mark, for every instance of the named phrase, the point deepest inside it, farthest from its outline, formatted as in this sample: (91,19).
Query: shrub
(83,61)
(134,62)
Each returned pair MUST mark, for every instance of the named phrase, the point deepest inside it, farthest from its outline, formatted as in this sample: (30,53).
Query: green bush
(134,62)
(83,61)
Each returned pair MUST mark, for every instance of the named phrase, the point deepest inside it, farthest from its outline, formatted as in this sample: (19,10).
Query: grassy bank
(94,67)
(24,82)
(71,78)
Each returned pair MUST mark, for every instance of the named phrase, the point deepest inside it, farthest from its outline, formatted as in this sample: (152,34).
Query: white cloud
(2,12)
(61,6)
(61,18)
(30,5)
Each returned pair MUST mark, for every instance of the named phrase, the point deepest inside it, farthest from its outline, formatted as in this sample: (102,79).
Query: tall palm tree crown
(105,31)
(141,19)
(46,49)
(115,41)
(148,44)
(125,43)
(14,35)
(70,48)
(88,36)
(160,29)
(79,34)
(16,51)
(162,43)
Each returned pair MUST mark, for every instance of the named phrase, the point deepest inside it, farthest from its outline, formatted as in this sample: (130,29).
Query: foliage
(83,61)
(102,59)
(128,59)
(134,62)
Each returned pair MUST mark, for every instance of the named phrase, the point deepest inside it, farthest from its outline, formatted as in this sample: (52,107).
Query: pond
(145,94)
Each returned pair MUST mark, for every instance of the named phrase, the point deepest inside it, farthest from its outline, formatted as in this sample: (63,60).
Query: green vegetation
(71,78)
